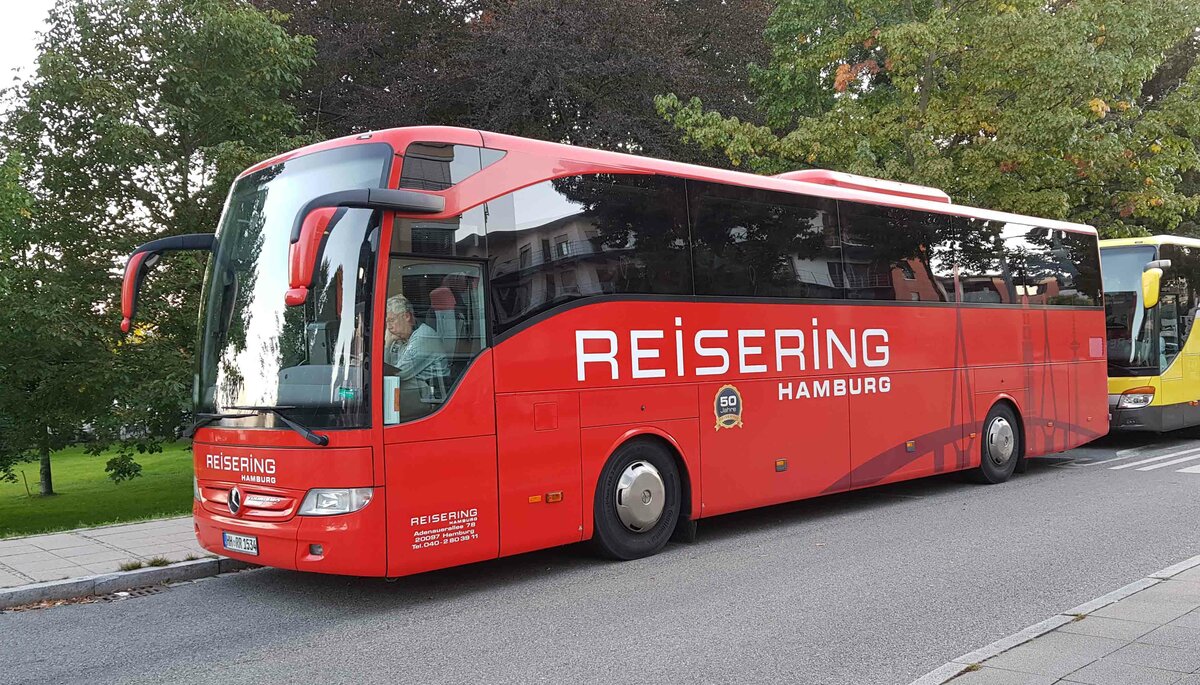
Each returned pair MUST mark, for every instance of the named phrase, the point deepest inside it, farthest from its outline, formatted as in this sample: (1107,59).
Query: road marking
(1190,469)
(1168,463)
(1136,453)
(1152,460)
(1122,455)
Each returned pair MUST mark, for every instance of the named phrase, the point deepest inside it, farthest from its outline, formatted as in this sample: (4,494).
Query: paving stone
(1115,628)
(49,574)
(56,541)
(22,548)
(1055,654)
(35,559)
(11,580)
(1170,590)
(80,550)
(997,676)
(31,568)
(1159,656)
(1106,671)
(1173,636)
(1188,620)
(1190,574)
(1152,611)
(102,557)
(103,567)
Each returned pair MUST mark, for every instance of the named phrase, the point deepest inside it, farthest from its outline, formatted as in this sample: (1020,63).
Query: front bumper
(1149,418)
(351,544)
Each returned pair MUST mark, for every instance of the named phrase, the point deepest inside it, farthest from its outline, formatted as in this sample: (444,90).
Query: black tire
(612,538)
(1000,446)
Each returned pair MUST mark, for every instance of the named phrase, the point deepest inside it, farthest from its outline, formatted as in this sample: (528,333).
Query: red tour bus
(431,346)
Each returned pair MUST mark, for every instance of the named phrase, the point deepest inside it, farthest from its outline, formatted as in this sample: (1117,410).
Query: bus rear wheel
(637,501)
(1001,448)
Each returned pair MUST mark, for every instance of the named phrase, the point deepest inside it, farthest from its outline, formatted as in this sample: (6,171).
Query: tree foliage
(578,71)
(140,113)
(1083,110)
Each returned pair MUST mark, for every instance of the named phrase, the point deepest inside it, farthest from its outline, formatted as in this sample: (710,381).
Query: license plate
(246,544)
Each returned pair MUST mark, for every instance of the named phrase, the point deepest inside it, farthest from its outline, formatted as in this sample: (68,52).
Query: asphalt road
(877,586)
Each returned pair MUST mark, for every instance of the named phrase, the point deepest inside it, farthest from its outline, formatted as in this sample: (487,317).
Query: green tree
(1084,110)
(578,71)
(139,115)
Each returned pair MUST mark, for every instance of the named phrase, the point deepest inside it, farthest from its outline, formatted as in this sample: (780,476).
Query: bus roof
(1151,240)
(817,183)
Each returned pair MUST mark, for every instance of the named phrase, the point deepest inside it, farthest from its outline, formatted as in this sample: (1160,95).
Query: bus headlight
(1136,398)
(330,501)
(196,489)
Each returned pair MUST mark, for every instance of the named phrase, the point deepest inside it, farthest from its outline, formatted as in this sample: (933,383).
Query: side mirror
(302,258)
(145,258)
(1151,279)
(319,216)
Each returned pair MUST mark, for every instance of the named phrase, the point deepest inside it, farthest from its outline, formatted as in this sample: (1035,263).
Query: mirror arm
(408,201)
(144,258)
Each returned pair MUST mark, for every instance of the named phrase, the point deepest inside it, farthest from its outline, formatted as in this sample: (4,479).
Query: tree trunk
(47,480)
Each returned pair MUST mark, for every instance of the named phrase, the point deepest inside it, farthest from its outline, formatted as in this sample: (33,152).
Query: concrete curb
(103,584)
(955,667)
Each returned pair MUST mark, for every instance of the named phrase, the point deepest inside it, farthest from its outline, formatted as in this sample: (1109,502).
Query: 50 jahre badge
(728,407)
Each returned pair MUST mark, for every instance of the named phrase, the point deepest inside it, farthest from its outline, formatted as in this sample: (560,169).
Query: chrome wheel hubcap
(1001,441)
(641,496)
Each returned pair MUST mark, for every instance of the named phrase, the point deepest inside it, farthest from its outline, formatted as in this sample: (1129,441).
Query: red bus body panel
(510,463)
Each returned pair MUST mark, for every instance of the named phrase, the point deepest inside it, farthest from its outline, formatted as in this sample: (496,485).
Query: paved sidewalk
(91,551)
(1150,637)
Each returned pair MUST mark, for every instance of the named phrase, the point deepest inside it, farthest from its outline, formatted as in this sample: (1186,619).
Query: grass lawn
(87,497)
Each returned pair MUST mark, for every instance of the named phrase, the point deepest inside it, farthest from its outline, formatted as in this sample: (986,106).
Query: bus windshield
(1133,340)
(255,351)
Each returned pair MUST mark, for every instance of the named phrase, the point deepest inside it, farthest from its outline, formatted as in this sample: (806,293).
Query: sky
(22,21)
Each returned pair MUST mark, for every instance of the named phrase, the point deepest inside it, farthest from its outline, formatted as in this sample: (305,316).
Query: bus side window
(896,254)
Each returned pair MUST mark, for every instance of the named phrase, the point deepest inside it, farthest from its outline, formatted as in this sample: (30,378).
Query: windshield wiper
(203,420)
(309,435)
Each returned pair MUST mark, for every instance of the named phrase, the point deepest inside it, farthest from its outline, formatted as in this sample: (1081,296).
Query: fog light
(316,550)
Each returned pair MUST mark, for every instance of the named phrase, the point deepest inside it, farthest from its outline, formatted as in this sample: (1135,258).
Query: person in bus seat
(415,352)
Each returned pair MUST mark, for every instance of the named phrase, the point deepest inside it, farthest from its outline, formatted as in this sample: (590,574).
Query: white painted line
(1169,463)
(1153,459)
(1108,461)
(1190,469)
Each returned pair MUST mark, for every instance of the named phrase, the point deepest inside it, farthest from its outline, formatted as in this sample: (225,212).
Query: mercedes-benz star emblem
(235,501)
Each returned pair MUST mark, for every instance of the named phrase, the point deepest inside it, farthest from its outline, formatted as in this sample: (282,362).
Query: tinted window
(753,242)
(460,236)
(1051,267)
(437,166)
(896,254)
(982,273)
(1183,279)
(574,237)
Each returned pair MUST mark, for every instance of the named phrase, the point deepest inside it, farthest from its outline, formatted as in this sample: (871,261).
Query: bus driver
(415,350)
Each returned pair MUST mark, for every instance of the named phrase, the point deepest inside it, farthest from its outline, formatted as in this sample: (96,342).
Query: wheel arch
(1011,403)
(689,506)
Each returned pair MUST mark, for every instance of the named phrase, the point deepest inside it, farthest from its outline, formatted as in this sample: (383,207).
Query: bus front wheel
(1001,448)
(637,501)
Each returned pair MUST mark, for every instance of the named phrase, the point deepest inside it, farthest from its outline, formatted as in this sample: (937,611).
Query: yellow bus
(1150,303)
